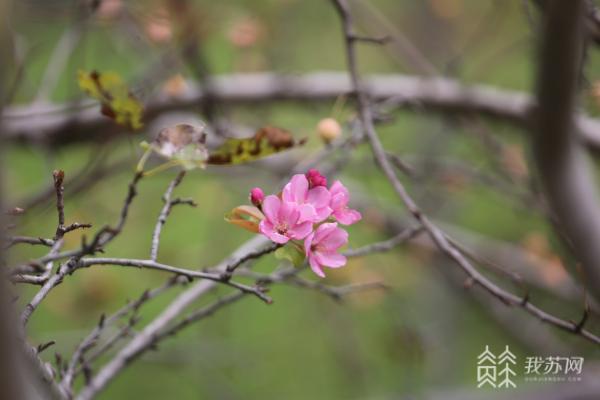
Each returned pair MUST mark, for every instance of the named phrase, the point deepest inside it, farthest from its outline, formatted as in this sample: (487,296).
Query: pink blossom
(315,178)
(321,248)
(313,204)
(339,205)
(257,196)
(282,221)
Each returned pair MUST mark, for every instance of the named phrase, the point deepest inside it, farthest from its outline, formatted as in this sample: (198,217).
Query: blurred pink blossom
(339,205)
(322,245)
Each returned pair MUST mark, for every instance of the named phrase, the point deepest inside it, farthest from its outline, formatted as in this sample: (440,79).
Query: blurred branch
(61,54)
(78,359)
(93,172)
(62,124)
(290,277)
(104,236)
(386,245)
(591,19)
(504,254)
(439,237)
(12,240)
(560,159)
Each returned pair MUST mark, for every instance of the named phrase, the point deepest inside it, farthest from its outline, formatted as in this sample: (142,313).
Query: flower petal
(336,239)
(296,189)
(308,213)
(347,216)
(316,268)
(338,201)
(288,213)
(322,214)
(300,231)
(270,208)
(308,243)
(323,231)
(278,238)
(319,197)
(266,228)
(331,260)
(337,187)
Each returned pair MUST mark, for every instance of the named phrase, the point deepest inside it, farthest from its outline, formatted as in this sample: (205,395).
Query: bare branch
(60,56)
(436,235)
(290,277)
(247,257)
(102,237)
(50,283)
(164,213)
(144,339)
(387,245)
(149,264)
(198,315)
(59,176)
(47,271)
(12,240)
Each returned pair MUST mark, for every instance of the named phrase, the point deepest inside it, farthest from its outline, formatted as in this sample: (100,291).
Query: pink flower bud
(315,178)
(257,196)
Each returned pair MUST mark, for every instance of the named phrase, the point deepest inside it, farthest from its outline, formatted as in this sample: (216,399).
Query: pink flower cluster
(307,210)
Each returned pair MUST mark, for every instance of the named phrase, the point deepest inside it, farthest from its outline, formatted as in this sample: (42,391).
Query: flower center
(317,248)
(281,228)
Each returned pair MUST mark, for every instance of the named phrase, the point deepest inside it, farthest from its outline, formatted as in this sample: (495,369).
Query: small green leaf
(291,252)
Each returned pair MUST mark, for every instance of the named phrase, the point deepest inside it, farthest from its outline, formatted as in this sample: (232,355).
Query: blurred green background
(421,337)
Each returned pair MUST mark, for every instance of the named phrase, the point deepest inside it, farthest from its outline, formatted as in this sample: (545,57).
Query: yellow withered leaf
(247,217)
(115,98)
(266,141)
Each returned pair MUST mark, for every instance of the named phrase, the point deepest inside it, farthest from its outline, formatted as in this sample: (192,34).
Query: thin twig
(437,235)
(385,245)
(102,237)
(149,264)
(52,282)
(164,213)
(144,339)
(12,240)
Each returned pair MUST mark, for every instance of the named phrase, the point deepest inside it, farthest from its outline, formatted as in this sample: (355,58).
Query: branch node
(579,326)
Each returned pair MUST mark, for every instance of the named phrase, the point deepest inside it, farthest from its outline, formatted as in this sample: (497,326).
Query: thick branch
(61,124)
(560,159)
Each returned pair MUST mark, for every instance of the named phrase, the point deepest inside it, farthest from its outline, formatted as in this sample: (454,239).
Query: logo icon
(496,372)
